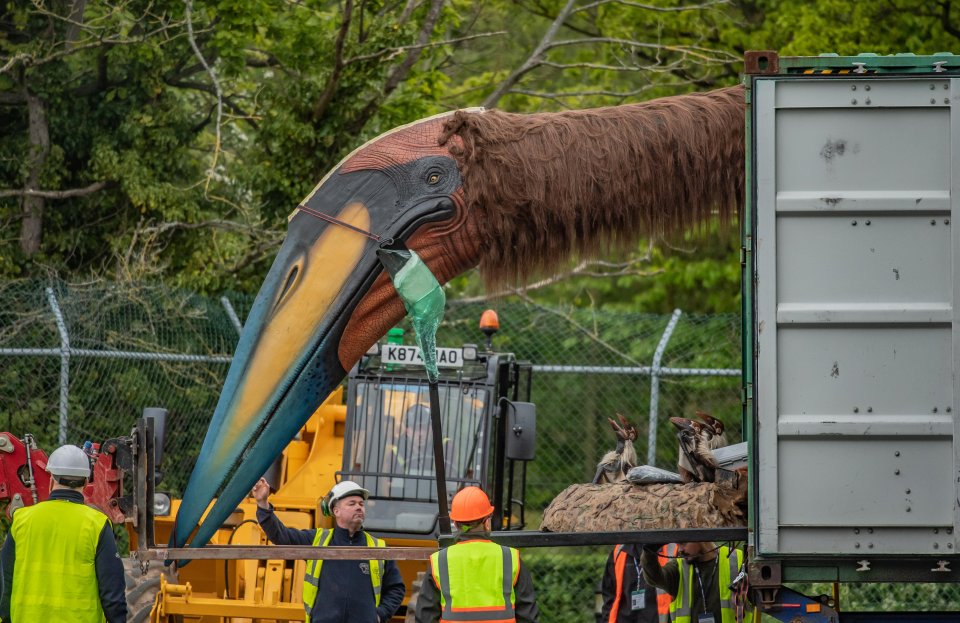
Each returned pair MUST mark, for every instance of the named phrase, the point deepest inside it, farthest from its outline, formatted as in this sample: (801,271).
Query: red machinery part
(15,473)
(103,492)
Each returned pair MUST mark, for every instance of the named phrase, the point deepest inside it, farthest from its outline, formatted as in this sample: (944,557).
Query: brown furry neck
(544,187)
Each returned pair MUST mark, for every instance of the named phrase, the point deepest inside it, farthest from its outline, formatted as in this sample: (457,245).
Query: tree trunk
(31,229)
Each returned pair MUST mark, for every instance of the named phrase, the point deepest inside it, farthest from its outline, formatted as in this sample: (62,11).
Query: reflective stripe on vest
(55,575)
(311,579)
(619,564)
(728,567)
(476,580)
(666,556)
(663,597)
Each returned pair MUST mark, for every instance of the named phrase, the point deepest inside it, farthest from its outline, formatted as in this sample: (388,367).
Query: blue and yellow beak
(325,300)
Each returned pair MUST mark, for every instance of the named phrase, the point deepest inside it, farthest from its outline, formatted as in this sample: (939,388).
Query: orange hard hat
(470,504)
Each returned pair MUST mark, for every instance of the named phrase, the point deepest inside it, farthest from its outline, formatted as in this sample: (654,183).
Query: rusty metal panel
(855,185)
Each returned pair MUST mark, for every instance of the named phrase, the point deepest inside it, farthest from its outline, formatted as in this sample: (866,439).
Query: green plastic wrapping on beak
(421,295)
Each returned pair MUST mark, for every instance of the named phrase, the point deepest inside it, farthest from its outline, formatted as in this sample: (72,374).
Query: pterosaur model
(513,194)
(615,464)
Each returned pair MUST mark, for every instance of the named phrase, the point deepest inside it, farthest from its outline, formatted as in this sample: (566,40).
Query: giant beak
(290,355)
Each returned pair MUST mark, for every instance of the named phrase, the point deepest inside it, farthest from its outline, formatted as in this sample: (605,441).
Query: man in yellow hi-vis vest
(339,591)
(699,581)
(60,562)
(475,579)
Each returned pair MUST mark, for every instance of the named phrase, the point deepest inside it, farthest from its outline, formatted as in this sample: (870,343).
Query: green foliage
(199,196)
(566,581)
(181,149)
(795,27)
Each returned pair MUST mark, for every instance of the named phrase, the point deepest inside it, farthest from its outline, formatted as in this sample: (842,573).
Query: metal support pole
(511,538)
(655,386)
(144,476)
(232,314)
(64,365)
(443,516)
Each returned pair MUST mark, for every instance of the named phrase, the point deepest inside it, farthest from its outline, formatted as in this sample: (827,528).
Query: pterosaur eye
(433,179)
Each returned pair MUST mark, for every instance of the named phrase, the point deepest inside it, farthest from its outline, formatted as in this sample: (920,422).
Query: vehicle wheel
(142,588)
(414,594)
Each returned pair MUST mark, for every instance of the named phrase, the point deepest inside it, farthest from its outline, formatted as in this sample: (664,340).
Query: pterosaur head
(325,300)
(686,425)
(716,426)
(514,194)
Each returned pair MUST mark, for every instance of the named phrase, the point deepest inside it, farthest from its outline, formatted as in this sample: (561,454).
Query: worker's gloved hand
(652,548)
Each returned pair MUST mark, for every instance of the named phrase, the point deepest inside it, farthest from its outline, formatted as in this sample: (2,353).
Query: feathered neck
(543,187)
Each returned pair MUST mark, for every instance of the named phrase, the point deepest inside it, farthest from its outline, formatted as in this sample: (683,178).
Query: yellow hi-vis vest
(311,579)
(55,574)
(728,568)
(476,580)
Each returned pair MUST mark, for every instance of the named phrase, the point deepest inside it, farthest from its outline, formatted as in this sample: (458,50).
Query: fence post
(232,314)
(64,365)
(655,386)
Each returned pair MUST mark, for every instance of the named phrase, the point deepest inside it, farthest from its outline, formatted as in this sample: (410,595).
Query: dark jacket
(344,595)
(631,583)
(525,608)
(108,566)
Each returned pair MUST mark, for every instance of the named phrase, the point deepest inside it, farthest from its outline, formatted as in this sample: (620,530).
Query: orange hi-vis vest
(663,597)
(477,580)
(668,553)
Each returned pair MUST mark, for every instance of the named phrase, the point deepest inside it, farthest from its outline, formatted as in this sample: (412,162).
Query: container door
(856,337)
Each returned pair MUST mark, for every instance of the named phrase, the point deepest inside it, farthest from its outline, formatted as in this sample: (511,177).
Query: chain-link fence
(81,361)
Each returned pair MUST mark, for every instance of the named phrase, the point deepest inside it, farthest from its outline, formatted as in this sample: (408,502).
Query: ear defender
(325,505)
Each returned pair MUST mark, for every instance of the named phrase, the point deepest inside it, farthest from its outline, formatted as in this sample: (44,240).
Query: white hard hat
(344,490)
(69,460)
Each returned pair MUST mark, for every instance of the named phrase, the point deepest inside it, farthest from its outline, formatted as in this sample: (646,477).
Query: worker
(475,576)
(699,581)
(627,597)
(413,453)
(59,561)
(339,591)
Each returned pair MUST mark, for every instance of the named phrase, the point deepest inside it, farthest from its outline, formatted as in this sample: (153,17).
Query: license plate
(410,355)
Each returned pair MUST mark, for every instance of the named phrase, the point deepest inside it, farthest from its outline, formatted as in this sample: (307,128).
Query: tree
(171,138)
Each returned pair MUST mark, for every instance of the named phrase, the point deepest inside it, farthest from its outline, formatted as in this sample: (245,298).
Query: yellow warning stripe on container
(826,72)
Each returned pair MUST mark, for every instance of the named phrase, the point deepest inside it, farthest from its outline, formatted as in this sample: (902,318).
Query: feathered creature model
(713,433)
(615,464)
(696,462)
(515,195)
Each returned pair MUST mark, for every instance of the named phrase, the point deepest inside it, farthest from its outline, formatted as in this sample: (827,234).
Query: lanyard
(703,596)
(636,566)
